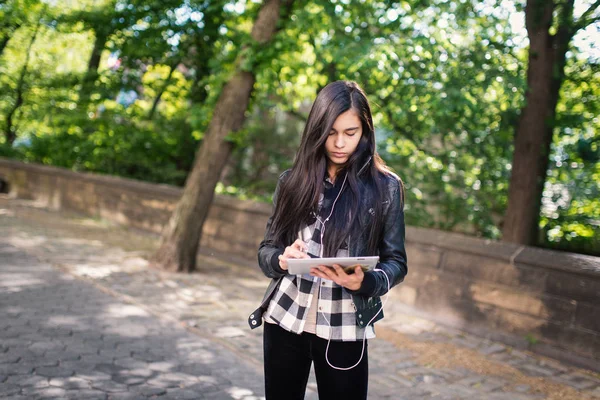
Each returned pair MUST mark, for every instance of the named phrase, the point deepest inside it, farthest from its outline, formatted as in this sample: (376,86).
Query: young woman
(337,200)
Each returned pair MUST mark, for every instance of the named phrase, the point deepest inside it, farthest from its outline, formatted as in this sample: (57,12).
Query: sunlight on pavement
(7,213)
(229,332)
(24,241)
(95,270)
(16,281)
(242,394)
(124,311)
(66,321)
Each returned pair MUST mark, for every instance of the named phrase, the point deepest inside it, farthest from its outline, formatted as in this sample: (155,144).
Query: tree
(100,21)
(533,136)
(10,130)
(9,23)
(114,20)
(446,80)
(181,236)
(570,214)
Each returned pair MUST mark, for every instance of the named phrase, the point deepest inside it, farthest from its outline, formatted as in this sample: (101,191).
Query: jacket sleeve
(268,252)
(392,254)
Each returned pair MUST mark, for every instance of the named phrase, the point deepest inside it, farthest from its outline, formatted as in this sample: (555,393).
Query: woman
(338,199)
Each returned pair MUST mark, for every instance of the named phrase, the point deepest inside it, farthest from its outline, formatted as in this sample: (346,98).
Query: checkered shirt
(336,318)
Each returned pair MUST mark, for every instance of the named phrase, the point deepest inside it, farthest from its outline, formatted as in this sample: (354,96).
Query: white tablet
(299,266)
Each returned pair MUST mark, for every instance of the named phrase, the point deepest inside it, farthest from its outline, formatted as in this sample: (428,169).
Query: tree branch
(592,21)
(586,18)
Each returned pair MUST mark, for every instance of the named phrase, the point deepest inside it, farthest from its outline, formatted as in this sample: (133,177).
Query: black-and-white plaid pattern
(289,305)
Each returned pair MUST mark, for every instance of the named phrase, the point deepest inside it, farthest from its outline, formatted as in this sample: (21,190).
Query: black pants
(288,358)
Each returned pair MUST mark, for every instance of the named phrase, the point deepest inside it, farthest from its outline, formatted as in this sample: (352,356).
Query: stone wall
(545,300)
(232,226)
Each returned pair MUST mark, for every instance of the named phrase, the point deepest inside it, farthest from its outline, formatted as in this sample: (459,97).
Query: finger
(322,275)
(293,253)
(339,271)
(328,272)
(358,272)
(316,272)
(299,245)
(282,262)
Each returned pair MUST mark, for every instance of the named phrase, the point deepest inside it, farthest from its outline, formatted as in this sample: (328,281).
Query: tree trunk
(181,236)
(10,130)
(92,71)
(162,89)
(205,49)
(533,137)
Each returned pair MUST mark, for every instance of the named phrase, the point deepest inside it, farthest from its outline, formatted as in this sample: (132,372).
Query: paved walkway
(84,317)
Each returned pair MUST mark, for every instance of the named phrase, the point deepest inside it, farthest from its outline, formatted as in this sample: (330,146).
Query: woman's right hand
(296,250)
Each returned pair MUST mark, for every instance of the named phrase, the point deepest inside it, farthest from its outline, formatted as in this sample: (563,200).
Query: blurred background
(128,88)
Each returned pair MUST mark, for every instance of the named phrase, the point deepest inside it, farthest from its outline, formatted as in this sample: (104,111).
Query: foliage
(571,204)
(446,80)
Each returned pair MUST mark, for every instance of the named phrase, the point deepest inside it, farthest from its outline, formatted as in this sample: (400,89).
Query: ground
(84,317)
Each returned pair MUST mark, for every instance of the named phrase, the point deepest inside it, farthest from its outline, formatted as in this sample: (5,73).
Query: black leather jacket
(392,254)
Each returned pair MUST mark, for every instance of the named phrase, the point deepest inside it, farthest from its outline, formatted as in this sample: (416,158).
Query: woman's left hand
(339,276)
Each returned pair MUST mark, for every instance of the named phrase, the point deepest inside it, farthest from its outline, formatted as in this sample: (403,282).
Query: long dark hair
(299,194)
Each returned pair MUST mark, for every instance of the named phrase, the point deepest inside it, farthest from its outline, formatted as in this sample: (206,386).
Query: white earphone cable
(365,329)
(328,323)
